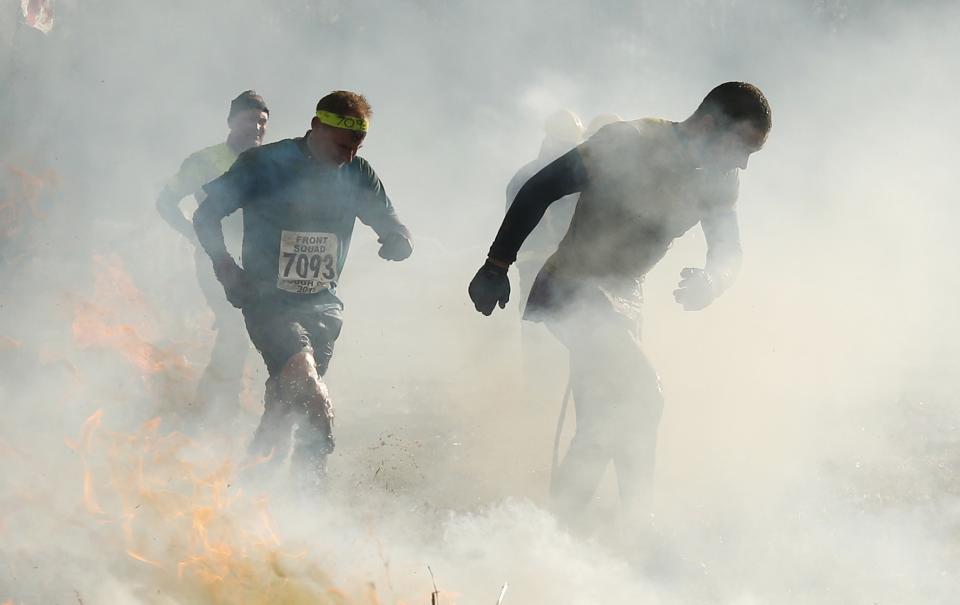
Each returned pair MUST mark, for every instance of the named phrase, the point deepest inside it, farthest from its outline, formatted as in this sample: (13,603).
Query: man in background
(598,122)
(222,380)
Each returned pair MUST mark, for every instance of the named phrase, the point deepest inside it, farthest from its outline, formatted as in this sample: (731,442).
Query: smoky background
(808,446)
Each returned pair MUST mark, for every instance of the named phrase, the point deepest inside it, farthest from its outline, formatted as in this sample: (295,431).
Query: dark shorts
(549,296)
(280,330)
(553,298)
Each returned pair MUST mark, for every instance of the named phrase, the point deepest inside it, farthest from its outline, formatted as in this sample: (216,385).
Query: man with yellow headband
(300,200)
(222,381)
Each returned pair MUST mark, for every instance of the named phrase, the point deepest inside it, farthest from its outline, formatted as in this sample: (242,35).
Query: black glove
(396,246)
(488,287)
(239,289)
(696,290)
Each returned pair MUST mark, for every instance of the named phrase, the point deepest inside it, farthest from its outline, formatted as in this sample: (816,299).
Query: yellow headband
(347,122)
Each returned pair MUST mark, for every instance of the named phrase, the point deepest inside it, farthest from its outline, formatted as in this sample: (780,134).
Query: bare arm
(168,206)
(193,173)
(724,254)
(700,287)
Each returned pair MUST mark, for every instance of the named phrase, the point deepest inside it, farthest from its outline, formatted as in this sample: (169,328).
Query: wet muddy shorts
(281,330)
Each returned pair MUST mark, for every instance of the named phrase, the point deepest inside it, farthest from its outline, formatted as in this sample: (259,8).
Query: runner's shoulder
(627,130)
(360,164)
(281,152)
(197,169)
(207,155)
(614,142)
(363,171)
(212,151)
(271,160)
(653,131)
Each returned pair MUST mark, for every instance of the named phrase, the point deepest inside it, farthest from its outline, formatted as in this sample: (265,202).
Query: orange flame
(82,447)
(23,198)
(195,534)
(140,557)
(99,324)
(91,329)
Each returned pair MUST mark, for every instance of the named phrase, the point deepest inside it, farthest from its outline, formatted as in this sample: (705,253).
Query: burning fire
(118,318)
(187,531)
(22,198)
(82,447)
(172,523)
(94,322)
(21,194)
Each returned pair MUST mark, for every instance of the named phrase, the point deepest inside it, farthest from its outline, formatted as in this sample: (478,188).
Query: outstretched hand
(696,289)
(489,287)
(395,246)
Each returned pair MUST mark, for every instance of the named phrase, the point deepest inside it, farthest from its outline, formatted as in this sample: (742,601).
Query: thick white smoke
(808,444)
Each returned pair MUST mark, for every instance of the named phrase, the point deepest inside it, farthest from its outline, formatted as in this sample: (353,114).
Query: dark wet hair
(248,99)
(345,103)
(733,102)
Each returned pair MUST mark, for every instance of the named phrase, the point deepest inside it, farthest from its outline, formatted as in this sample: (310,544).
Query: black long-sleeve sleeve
(563,176)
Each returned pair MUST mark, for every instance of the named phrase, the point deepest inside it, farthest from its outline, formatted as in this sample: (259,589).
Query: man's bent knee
(301,383)
(299,365)
(299,379)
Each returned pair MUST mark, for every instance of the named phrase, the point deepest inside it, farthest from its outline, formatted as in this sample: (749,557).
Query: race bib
(308,261)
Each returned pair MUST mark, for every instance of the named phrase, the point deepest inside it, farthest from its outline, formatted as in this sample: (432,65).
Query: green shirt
(199,169)
(298,217)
